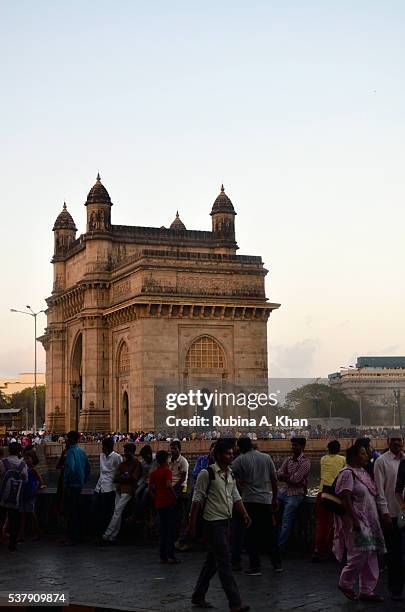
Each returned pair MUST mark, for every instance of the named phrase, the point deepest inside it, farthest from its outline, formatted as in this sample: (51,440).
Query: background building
(133,305)
(378,384)
(8,386)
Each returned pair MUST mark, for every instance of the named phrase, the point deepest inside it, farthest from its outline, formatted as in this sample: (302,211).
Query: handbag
(330,500)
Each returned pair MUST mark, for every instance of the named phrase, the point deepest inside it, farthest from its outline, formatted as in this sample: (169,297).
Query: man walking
(216,487)
(104,492)
(126,480)
(294,473)
(257,479)
(385,477)
(76,473)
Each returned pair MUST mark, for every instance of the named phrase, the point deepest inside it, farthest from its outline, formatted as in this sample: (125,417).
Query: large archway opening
(205,368)
(123,372)
(76,383)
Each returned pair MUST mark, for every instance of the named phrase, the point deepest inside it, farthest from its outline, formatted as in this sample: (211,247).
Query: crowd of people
(140,437)
(237,498)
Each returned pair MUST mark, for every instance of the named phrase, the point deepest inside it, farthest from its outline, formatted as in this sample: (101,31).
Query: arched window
(205,353)
(123,360)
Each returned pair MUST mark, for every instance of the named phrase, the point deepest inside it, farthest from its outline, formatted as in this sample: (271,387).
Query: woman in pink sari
(358,531)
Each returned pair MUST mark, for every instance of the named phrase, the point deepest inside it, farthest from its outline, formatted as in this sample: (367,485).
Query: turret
(223,216)
(98,205)
(65,231)
(177,225)
(64,234)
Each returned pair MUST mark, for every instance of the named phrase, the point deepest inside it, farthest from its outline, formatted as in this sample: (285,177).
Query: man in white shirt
(104,492)
(179,468)
(385,476)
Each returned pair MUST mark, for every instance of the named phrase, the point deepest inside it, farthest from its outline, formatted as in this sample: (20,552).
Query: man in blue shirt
(203,461)
(76,473)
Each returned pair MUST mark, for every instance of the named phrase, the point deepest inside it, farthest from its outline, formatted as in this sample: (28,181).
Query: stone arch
(123,363)
(205,360)
(122,370)
(205,367)
(76,381)
(205,353)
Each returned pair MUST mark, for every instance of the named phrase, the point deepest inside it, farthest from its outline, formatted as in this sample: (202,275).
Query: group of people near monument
(237,499)
(145,437)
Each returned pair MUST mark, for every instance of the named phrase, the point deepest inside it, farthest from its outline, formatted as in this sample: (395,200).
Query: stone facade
(133,305)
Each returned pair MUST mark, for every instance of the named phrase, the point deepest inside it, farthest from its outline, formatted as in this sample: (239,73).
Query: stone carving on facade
(121,289)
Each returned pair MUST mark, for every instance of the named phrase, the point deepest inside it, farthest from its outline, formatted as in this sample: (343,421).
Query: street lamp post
(31,313)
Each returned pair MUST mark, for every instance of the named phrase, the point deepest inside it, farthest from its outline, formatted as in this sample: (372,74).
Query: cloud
(294,360)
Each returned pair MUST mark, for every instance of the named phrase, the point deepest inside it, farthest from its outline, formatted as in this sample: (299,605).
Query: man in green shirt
(216,492)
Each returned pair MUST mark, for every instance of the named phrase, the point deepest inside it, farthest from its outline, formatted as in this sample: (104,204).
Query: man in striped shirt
(294,473)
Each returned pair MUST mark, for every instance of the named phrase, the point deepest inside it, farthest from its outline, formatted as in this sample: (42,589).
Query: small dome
(64,220)
(177,223)
(223,204)
(98,194)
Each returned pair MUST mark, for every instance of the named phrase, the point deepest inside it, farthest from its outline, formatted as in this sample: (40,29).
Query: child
(160,487)
(29,492)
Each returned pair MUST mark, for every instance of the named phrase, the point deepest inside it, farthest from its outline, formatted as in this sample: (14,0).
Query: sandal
(349,593)
(371,597)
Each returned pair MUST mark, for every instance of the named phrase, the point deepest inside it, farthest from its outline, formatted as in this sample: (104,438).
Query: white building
(378,384)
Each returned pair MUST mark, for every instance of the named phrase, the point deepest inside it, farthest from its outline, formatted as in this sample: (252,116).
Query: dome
(177,223)
(98,194)
(64,220)
(223,204)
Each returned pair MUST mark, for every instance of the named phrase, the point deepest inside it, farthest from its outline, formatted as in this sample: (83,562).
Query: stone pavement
(129,577)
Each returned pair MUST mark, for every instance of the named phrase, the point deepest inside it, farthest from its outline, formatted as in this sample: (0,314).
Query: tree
(24,400)
(4,402)
(321,401)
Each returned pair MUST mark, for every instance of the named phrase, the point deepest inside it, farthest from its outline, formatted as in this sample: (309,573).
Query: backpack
(11,486)
(330,500)
(211,475)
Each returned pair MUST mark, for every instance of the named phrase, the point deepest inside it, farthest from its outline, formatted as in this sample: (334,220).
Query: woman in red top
(160,487)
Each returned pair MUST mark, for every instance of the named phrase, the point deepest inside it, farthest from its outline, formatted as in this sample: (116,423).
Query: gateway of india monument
(133,305)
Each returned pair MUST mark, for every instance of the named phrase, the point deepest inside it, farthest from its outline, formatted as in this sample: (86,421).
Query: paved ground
(130,578)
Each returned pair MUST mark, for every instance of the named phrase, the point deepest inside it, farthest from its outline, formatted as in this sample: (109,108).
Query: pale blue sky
(298,107)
